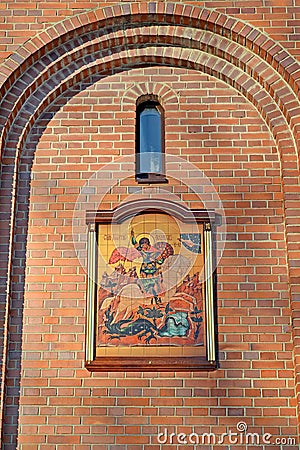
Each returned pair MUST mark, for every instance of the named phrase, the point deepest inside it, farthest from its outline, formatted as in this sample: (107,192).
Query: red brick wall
(22,20)
(243,140)
(222,134)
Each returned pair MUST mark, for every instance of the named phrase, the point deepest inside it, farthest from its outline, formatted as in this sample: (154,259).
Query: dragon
(125,328)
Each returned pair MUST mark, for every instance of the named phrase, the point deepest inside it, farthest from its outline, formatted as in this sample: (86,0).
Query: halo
(144,235)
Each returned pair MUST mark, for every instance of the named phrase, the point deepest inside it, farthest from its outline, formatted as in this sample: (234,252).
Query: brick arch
(112,20)
(244,72)
(161,12)
(192,37)
(162,90)
(249,87)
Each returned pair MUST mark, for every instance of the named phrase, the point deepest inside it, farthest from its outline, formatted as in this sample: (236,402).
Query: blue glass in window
(150,145)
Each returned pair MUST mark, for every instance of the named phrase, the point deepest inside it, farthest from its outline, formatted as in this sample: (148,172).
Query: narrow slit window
(150,164)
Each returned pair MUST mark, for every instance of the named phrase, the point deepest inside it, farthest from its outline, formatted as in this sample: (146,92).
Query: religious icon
(150,296)
(153,296)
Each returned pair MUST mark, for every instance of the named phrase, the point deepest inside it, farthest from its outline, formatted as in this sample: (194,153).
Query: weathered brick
(214,126)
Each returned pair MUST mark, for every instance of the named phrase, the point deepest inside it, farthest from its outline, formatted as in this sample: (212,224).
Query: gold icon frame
(149,358)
